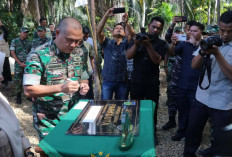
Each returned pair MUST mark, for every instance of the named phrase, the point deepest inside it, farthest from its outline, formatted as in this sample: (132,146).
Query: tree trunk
(208,14)
(182,10)
(51,11)
(37,10)
(10,4)
(218,11)
(96,70)
(215,12)
(143,13)
(42,8)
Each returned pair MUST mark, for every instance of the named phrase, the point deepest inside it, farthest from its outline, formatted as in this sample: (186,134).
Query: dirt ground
(166,147)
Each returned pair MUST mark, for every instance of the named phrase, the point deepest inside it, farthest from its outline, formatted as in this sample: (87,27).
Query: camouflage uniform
(48,34)
(21,48)
(38,42)
(174,68)
(47,66)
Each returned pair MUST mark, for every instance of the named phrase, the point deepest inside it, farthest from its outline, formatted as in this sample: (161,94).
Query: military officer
(19,49)
(41,31)
(56,75)
(43,22)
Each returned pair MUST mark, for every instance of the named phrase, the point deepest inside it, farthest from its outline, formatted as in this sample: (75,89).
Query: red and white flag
(80,2)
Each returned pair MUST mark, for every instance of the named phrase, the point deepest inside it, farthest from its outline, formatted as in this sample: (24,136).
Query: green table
(58,144)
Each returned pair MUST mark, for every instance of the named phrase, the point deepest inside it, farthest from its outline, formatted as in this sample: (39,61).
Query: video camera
(210,41)
(143,35)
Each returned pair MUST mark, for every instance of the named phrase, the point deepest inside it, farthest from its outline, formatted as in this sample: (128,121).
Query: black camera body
(143,36)
(210,41)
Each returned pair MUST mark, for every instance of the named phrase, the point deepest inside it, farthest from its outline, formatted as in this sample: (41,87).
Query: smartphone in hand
(181,18)
(118,10)
(181,37)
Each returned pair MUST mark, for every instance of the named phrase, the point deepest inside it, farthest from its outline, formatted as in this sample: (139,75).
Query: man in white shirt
(216,101)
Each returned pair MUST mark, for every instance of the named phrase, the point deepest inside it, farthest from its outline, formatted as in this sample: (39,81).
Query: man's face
(195,32)
(23,35)
(51,27)
(118,31)
(225,31)
(67,40)
(85,36)
(41,34)
(43,23)
(155,27)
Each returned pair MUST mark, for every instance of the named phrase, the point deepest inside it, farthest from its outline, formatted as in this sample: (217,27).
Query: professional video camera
(143,35)
(210,41)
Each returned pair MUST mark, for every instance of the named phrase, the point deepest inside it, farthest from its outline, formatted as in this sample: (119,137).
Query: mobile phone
(181,18)
(118,10)
(181,37)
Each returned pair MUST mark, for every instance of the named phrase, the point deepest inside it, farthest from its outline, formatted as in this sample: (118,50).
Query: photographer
(172,67)
(147,54)
(216,101)
(115,64)
(188,78)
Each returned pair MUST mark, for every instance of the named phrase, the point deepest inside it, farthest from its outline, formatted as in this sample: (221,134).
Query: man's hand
(109,12)
(146,42)
(213,50)
(22,64)
(174,38)
(192,40)
(84,88)
(125,18)
(173,23)
(70,87)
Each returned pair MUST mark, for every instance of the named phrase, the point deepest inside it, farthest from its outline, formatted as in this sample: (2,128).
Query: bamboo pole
(95,50)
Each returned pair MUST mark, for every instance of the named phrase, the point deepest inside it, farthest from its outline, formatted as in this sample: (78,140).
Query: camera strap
(205,66)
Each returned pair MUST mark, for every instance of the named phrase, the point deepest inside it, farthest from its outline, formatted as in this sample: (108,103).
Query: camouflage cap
(24,29)
(41,28)
(211,29)
(178,29)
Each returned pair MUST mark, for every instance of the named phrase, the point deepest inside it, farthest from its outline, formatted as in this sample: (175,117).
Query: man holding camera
(147,53)
(216,101)
(114,69)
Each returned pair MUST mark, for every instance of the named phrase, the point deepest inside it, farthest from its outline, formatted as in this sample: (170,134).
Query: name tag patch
(55,66)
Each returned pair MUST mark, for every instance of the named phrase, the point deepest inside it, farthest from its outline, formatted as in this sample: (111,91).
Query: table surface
(57,143)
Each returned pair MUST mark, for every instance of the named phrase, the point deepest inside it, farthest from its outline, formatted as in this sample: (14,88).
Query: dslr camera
(143,35)
(210,41)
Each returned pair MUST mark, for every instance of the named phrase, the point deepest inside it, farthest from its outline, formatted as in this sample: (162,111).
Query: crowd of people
(56,69)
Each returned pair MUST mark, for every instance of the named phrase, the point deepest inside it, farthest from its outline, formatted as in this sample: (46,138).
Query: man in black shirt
(147,55)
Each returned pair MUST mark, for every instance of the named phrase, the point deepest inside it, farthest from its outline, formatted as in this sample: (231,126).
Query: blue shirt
(115,63)
(188,76)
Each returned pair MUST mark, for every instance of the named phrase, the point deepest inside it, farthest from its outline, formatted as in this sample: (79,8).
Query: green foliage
(163,10)
(226,6)
(10,22)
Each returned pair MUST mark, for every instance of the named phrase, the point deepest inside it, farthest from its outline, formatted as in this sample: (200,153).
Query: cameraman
(147,55)
(216,101)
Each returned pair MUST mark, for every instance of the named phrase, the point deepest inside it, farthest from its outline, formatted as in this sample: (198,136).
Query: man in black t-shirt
(147,55)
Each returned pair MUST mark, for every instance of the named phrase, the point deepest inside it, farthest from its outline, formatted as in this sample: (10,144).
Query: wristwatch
(29,153)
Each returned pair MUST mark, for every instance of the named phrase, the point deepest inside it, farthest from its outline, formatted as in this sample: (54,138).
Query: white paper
(80,3)
(92,114)
(81,105)
(91,119)
(2,59)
